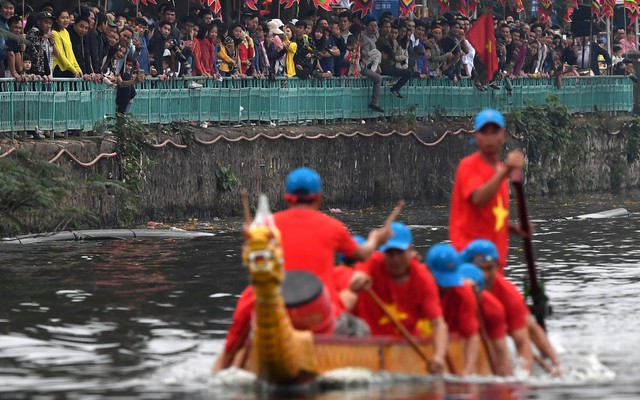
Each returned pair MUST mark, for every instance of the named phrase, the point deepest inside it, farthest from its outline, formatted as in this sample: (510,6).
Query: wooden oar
(540,300)
(244,198)
(484,336)
(549,370)
(394,214)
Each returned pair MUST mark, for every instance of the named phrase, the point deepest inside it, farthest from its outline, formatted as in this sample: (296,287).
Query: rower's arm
(377,238)
(503,358)
(439,337)
(482,196)
(539,338)
(523,347)
(471,350)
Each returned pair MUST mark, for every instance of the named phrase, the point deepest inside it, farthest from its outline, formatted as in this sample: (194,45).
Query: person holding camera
(157,44)
(125,82)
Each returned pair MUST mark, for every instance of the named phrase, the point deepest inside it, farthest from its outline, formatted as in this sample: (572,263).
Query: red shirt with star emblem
(468,222)
(461,311)
(515,308)
(493,315)
(415,299)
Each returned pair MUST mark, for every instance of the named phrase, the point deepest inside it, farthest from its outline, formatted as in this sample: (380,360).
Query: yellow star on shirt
(501,215)
(395,312)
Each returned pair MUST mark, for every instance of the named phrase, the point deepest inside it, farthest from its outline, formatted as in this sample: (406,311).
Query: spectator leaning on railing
(119,50)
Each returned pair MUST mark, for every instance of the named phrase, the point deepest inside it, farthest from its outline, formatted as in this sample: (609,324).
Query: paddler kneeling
(521,325)
(458,302)
(492,319)
(409,291)
(309,239)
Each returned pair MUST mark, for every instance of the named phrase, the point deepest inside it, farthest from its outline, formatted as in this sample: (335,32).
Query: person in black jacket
(80,45)
(587,56)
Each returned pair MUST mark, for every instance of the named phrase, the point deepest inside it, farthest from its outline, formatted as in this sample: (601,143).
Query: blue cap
(402,238)
(489,116)
(480,250)
(470,271)
(304,182)
(443,261)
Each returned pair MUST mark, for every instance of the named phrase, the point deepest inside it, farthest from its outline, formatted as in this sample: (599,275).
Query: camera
(177,50)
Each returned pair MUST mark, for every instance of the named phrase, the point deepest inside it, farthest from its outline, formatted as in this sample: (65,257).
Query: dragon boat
(281,353)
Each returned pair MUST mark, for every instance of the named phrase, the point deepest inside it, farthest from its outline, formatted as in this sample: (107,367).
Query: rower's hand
(515,159)
(436,366)
(380,236)
(517,229)
(556,370)
(360,281)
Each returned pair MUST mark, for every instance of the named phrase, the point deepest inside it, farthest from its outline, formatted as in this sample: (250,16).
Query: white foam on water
(218,295)
(233,377)
(165,346)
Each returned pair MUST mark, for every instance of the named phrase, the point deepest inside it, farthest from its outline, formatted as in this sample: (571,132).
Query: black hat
(111,22)
(45,15)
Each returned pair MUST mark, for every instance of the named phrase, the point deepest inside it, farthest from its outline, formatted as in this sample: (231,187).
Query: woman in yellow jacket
(291,46)
(64,61)
(228,58)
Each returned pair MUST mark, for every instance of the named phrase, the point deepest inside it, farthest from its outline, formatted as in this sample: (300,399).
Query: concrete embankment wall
(358,171)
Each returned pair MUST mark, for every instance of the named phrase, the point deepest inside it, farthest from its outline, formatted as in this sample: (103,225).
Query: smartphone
(564,37)
(136,35)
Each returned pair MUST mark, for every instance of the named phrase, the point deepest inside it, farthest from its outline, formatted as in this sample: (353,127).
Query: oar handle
(537,294)
(244,197)
(394,214)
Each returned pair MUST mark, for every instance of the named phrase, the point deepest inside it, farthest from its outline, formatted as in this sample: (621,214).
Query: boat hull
(379,354)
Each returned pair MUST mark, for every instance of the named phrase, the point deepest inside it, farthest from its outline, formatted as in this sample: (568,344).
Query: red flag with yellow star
(483,38)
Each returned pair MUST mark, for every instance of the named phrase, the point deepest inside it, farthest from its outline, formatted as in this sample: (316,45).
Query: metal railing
(71,104)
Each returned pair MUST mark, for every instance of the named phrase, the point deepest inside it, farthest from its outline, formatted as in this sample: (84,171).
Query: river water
(145,318)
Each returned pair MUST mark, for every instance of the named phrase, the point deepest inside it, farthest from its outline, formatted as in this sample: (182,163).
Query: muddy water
(145,318)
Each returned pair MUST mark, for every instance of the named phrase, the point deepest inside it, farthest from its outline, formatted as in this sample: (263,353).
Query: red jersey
(411,301)
(342,277)
(493,315)
(461,311)
(241,321)
(310,241)
(515,308)
(468,222)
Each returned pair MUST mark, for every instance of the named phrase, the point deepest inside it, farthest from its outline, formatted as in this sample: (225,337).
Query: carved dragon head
(262,252)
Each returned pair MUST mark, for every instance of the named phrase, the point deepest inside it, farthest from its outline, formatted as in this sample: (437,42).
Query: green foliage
(631,133)
(186,132)
(225,179)
(439,114)
(618,171)
(555,144)
(32,193)
(408,117)
(131,138)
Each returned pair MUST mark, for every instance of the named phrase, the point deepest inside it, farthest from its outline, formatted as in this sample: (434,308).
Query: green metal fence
(71,104)
(60,105)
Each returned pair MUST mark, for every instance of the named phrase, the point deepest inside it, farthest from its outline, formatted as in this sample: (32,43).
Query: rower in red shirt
(520,323)
(480,200)
(310,240)
(458,302)
(406,287)
(491,317)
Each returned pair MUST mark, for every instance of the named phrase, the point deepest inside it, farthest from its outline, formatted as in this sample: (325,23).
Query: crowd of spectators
(121,50)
